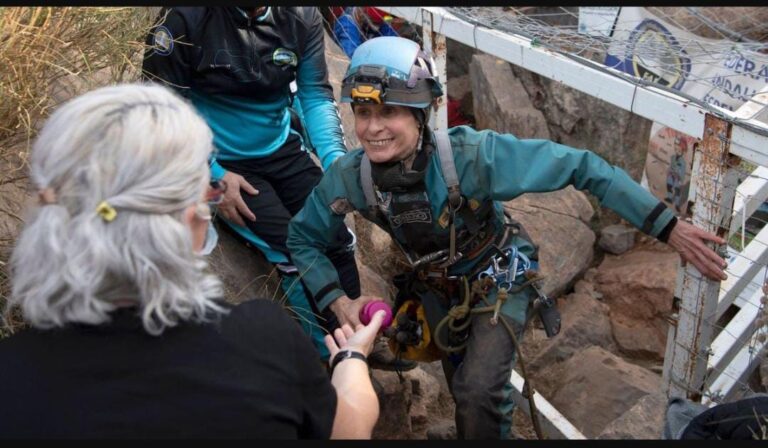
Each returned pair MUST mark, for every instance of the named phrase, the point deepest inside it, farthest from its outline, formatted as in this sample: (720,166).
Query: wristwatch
(347,354)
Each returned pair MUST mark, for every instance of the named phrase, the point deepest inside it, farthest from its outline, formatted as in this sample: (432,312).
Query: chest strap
(445,154)
(366,181)
(456,201)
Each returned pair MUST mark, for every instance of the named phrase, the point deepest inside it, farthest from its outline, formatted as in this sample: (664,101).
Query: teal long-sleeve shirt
(490,166)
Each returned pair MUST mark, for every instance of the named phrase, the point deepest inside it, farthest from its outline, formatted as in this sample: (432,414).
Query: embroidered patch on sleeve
(163,41)
(341,206)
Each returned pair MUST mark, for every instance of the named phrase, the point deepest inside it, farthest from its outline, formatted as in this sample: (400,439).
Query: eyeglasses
(215,193)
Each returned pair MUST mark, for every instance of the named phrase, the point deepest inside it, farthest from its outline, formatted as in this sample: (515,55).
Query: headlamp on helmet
(369,84)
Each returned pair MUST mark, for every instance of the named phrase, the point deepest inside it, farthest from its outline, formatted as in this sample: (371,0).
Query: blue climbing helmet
(391,70)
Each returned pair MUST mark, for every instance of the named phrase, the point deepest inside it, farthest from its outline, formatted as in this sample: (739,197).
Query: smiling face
(388,133)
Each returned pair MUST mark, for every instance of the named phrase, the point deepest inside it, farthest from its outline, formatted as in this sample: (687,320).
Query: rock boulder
(558,223)
(617,239)
(638,286)
(644,420)
(244,272)
(418,404)
(598,387)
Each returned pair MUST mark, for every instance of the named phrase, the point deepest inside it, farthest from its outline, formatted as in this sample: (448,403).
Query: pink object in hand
(371,307)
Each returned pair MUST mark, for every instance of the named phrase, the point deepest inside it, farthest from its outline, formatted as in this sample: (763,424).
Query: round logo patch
(163,41)
(281,56)
(657,56)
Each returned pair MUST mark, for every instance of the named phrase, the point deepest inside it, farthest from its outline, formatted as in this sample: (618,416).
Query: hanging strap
(445,154)
(367,183)
(455,199)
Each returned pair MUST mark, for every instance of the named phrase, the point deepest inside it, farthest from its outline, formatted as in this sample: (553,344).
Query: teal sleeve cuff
(664,235)
(661,222)
(328,298)
(330,157)
(217,171)
(636,204)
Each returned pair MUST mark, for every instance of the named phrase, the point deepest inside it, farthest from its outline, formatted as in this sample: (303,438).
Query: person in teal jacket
(463,250)
(258,77)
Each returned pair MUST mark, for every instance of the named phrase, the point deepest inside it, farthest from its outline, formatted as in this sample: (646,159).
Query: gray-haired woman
(130,337)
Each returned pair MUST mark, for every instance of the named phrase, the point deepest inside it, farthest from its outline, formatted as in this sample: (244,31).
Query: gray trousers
(480,383)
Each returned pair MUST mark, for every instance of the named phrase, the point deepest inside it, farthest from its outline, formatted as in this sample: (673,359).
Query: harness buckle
(451,260)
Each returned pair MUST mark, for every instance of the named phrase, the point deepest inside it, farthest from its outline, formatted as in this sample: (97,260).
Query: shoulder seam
(301,13)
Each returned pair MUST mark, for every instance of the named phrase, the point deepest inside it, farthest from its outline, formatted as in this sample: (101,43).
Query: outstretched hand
(689,241)
(360,339)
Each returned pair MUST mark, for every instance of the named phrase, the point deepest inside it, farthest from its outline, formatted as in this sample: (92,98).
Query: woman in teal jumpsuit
(391,86)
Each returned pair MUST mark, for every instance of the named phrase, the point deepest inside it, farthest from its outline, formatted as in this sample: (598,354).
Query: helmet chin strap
(422,116)
(408,160)
(411,155)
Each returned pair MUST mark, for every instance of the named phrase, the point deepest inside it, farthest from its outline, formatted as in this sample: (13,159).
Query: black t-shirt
(253,374)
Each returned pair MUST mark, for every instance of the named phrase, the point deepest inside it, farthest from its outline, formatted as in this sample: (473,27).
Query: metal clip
(515,263)
(514,266)
(451,260)
(434,257)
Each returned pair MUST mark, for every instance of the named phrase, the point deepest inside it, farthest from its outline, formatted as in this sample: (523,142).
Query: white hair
(144,151)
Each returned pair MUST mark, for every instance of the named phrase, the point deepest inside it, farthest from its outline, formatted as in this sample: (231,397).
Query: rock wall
(508,98)
(554,221)
(500,101)
(581,121)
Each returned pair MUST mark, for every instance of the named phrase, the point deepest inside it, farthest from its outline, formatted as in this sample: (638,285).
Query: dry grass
(41,47)
(48,55)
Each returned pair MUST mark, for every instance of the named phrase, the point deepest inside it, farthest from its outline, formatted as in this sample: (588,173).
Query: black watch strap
(347,354)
